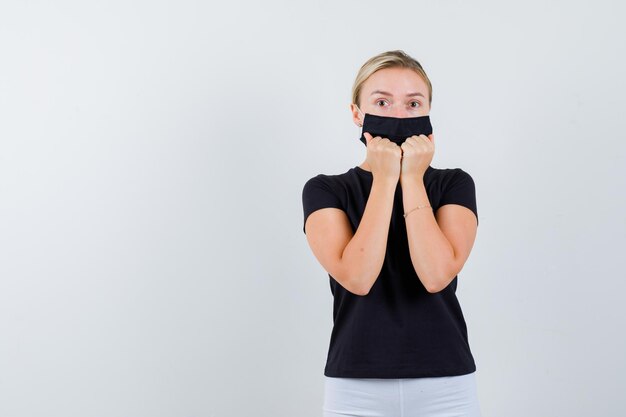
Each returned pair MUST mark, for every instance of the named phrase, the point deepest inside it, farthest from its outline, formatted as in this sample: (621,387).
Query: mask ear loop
(362,115)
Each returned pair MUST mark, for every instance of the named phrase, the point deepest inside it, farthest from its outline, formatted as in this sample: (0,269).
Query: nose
(400,112)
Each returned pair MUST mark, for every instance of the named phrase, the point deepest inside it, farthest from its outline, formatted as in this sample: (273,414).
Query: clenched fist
(383,157)
(417,154)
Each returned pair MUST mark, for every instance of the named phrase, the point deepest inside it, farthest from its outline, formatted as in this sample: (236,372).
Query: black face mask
(395,129)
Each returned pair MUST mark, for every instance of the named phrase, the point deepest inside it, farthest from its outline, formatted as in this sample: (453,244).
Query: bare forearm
(365,253)
(431,253)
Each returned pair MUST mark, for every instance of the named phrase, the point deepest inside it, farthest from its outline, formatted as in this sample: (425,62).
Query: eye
(381,102)
(415,104)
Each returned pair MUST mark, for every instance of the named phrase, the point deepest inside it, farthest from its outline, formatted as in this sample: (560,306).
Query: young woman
(393,233)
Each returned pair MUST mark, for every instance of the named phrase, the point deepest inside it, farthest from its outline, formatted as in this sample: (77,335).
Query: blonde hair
(389,59)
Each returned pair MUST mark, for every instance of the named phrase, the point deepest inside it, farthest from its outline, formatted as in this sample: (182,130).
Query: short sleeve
(318,193)
(461,190)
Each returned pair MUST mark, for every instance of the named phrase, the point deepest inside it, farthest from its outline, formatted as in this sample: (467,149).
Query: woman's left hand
(417,154)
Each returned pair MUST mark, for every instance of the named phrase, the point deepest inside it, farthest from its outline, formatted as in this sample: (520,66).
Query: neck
(365,166)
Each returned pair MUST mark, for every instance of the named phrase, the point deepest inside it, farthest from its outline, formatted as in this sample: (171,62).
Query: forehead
(397,81)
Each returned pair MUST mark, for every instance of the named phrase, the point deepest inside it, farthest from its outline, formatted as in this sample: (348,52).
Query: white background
(152,159)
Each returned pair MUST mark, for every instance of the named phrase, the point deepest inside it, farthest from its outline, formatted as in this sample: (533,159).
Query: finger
(410,141)
(431,137)
(368,137)
(425,140)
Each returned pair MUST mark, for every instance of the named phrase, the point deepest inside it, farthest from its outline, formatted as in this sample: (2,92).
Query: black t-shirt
(397,330)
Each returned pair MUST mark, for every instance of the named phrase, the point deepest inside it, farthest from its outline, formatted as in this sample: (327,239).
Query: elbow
(359,289)
(360,286)
(439,282)
(361,292)
(434,287)
(359,281)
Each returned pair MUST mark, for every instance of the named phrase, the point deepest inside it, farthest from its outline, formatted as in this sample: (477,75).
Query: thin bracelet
(416,208)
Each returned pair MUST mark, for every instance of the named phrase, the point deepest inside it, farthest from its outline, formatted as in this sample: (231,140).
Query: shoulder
(319,179)
(328,186)
(449,178)
(320,182)
(329,181)
(449,174)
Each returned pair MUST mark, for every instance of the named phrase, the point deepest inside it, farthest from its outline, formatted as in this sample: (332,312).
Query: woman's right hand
(383,157)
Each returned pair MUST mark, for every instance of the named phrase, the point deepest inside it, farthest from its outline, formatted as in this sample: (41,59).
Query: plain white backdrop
(152,159)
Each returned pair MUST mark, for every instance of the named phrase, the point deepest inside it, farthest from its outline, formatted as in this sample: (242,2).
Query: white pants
(449,396)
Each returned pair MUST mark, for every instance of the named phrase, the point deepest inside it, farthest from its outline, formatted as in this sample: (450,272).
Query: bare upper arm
(459,226)
(328,232)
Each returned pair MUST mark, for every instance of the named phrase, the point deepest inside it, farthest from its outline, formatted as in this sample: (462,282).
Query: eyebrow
(384,93)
